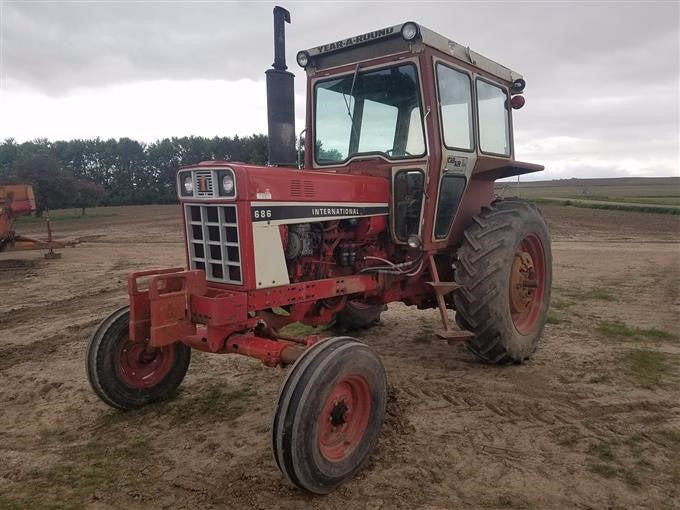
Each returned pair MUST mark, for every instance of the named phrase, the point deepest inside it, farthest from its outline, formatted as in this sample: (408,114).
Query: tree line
(86,173)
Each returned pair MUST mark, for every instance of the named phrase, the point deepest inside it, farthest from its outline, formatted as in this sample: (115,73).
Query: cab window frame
(473,105)
(508,123)
(463,177)
(393,202)
(373,154)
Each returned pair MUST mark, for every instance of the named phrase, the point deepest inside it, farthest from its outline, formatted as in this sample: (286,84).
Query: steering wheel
(390,151)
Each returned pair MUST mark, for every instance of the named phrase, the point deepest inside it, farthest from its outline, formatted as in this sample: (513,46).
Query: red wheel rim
(140,366)
(527,283)
(344,417)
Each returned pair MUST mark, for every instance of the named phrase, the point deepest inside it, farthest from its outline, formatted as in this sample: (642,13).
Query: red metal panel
(285,184)
(140,307)
(219,310)
(310,291)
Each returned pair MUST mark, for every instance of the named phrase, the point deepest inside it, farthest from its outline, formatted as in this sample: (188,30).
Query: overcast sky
(602,77)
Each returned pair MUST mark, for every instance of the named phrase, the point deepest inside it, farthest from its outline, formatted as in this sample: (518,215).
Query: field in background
(592,421)
(652,194)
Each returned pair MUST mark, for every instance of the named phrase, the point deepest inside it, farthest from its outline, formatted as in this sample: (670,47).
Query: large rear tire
(329,414)
(130,375)
(505,268)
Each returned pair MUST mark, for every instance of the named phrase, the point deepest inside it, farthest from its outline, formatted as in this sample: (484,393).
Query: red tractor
(406,132)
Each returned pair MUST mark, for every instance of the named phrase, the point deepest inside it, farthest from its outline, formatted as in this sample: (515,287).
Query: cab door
(455,103)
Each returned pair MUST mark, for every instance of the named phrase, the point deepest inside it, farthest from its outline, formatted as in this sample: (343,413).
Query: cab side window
(407,203)
(450,191)
(492,112)
(455,103)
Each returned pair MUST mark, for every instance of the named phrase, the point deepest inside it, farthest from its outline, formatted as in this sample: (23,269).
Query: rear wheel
(505,269)
(358,315)
(329,414)
(129,375)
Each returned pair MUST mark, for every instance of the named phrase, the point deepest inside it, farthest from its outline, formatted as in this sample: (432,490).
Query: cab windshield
(369,112)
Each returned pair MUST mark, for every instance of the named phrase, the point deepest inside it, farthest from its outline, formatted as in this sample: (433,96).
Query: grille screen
(214,244)
(203,184)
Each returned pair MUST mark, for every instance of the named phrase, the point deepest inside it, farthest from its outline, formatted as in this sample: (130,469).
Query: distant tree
(86,194)
(125,170)
(35,165)
(327,154)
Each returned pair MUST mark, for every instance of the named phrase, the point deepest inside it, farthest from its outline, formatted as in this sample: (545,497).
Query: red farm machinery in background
(18,200)
(406,132)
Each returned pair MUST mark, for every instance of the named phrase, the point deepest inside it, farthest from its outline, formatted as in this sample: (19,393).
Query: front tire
(329,414)
(130,375)
(505,268)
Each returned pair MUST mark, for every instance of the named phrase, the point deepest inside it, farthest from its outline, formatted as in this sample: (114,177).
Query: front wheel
(129,375)
(505,268)
(329,414)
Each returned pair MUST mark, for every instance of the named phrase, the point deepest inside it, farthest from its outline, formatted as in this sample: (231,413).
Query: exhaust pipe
(281,98)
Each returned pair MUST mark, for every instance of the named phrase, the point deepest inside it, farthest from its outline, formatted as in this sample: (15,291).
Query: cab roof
(388,41)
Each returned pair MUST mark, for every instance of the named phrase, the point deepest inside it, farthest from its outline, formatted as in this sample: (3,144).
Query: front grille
(203,184)
(214,244)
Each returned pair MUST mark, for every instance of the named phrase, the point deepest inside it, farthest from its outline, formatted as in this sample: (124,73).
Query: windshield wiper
(351,94)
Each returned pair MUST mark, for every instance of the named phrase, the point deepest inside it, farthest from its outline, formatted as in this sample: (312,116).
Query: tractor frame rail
(174,304)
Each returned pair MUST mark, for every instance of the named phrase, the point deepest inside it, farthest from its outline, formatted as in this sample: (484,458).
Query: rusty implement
(18,200)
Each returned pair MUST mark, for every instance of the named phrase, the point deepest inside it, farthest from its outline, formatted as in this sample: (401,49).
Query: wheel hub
(527,284)
(338,414)
(344,417)
(142,367)
(523,282)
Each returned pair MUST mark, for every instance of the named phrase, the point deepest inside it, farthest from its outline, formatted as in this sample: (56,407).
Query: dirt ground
(592,421)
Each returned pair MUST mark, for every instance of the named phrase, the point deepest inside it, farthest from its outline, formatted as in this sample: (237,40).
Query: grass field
(653,195)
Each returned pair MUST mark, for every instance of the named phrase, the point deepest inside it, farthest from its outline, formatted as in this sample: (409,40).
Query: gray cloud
(595,71)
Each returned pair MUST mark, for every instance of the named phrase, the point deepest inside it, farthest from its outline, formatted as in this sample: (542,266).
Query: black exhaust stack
(281,98)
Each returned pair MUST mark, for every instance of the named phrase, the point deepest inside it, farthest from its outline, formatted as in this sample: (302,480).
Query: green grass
(600,379)
(594,293)
(98,462)
(604,470)
(655,209)
(64,216)
(553,318)
(672,436)
(560,304)
(298,330)
(602,451)
(118,451)
(621,330)
(215,402)
(660,200)
(567,436)
(506,501)
(648,368)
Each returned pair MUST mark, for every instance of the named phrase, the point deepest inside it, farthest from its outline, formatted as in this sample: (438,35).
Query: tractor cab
(430,115)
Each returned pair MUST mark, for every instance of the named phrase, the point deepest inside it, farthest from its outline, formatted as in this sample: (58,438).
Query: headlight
(302,59)
(409,31)
(227,186)
(188,185)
